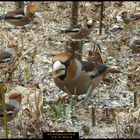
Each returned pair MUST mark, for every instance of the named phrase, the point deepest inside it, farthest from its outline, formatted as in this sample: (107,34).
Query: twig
(101,17)
(81,54)
(116,122)
(24,55)
(135,99)
(22,42)
(134,130)
(93,116)
(5,117)
(2,101)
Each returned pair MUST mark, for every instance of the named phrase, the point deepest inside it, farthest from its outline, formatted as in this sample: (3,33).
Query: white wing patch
(19,16)
(6,60)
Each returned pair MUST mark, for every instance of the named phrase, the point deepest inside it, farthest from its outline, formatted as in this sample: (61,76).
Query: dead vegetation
(111,111)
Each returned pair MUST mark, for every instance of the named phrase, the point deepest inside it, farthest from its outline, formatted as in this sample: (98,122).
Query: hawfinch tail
(9,55)
(74,76)
(135,45)
(21,16)
(127,17)
(12,107)
(80,31)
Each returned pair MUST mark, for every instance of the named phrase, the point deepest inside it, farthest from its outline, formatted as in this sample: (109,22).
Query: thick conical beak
(58,69)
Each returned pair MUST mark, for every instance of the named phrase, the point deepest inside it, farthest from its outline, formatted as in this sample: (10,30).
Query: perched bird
(127,17)
(21,16)
(134,45)
(9,55)
(12,107)
(74,76)
(79,31)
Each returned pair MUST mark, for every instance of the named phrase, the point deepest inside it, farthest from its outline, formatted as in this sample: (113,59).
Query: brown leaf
(95,57)
(27,112)
(16,96)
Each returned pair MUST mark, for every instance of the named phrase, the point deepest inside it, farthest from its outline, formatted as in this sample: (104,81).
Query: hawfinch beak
(37,14)
(58,69)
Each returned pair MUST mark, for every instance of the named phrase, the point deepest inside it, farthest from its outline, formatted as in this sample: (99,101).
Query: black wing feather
(5,56)
(95,67)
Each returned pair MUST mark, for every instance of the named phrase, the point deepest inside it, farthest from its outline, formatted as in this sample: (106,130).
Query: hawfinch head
(13,46)
(88,23)
(64,66)
(124,14)
(60,64)
(16,96)
(32,8)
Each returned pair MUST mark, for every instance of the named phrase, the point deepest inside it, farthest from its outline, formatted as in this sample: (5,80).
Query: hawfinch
(127,17)
(12,107)
(74,76)
(135,45)
(21,16)
(9,55)
(80,31)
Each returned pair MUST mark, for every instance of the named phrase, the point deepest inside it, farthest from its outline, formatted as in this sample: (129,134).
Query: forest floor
(115,115)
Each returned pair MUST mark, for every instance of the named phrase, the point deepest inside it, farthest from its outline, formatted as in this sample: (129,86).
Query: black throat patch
(67,63)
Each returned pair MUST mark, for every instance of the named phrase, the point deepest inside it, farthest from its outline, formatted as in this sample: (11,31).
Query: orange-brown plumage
(76,76)
(21,16)
(71,72)
(32,8)
(62,57)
